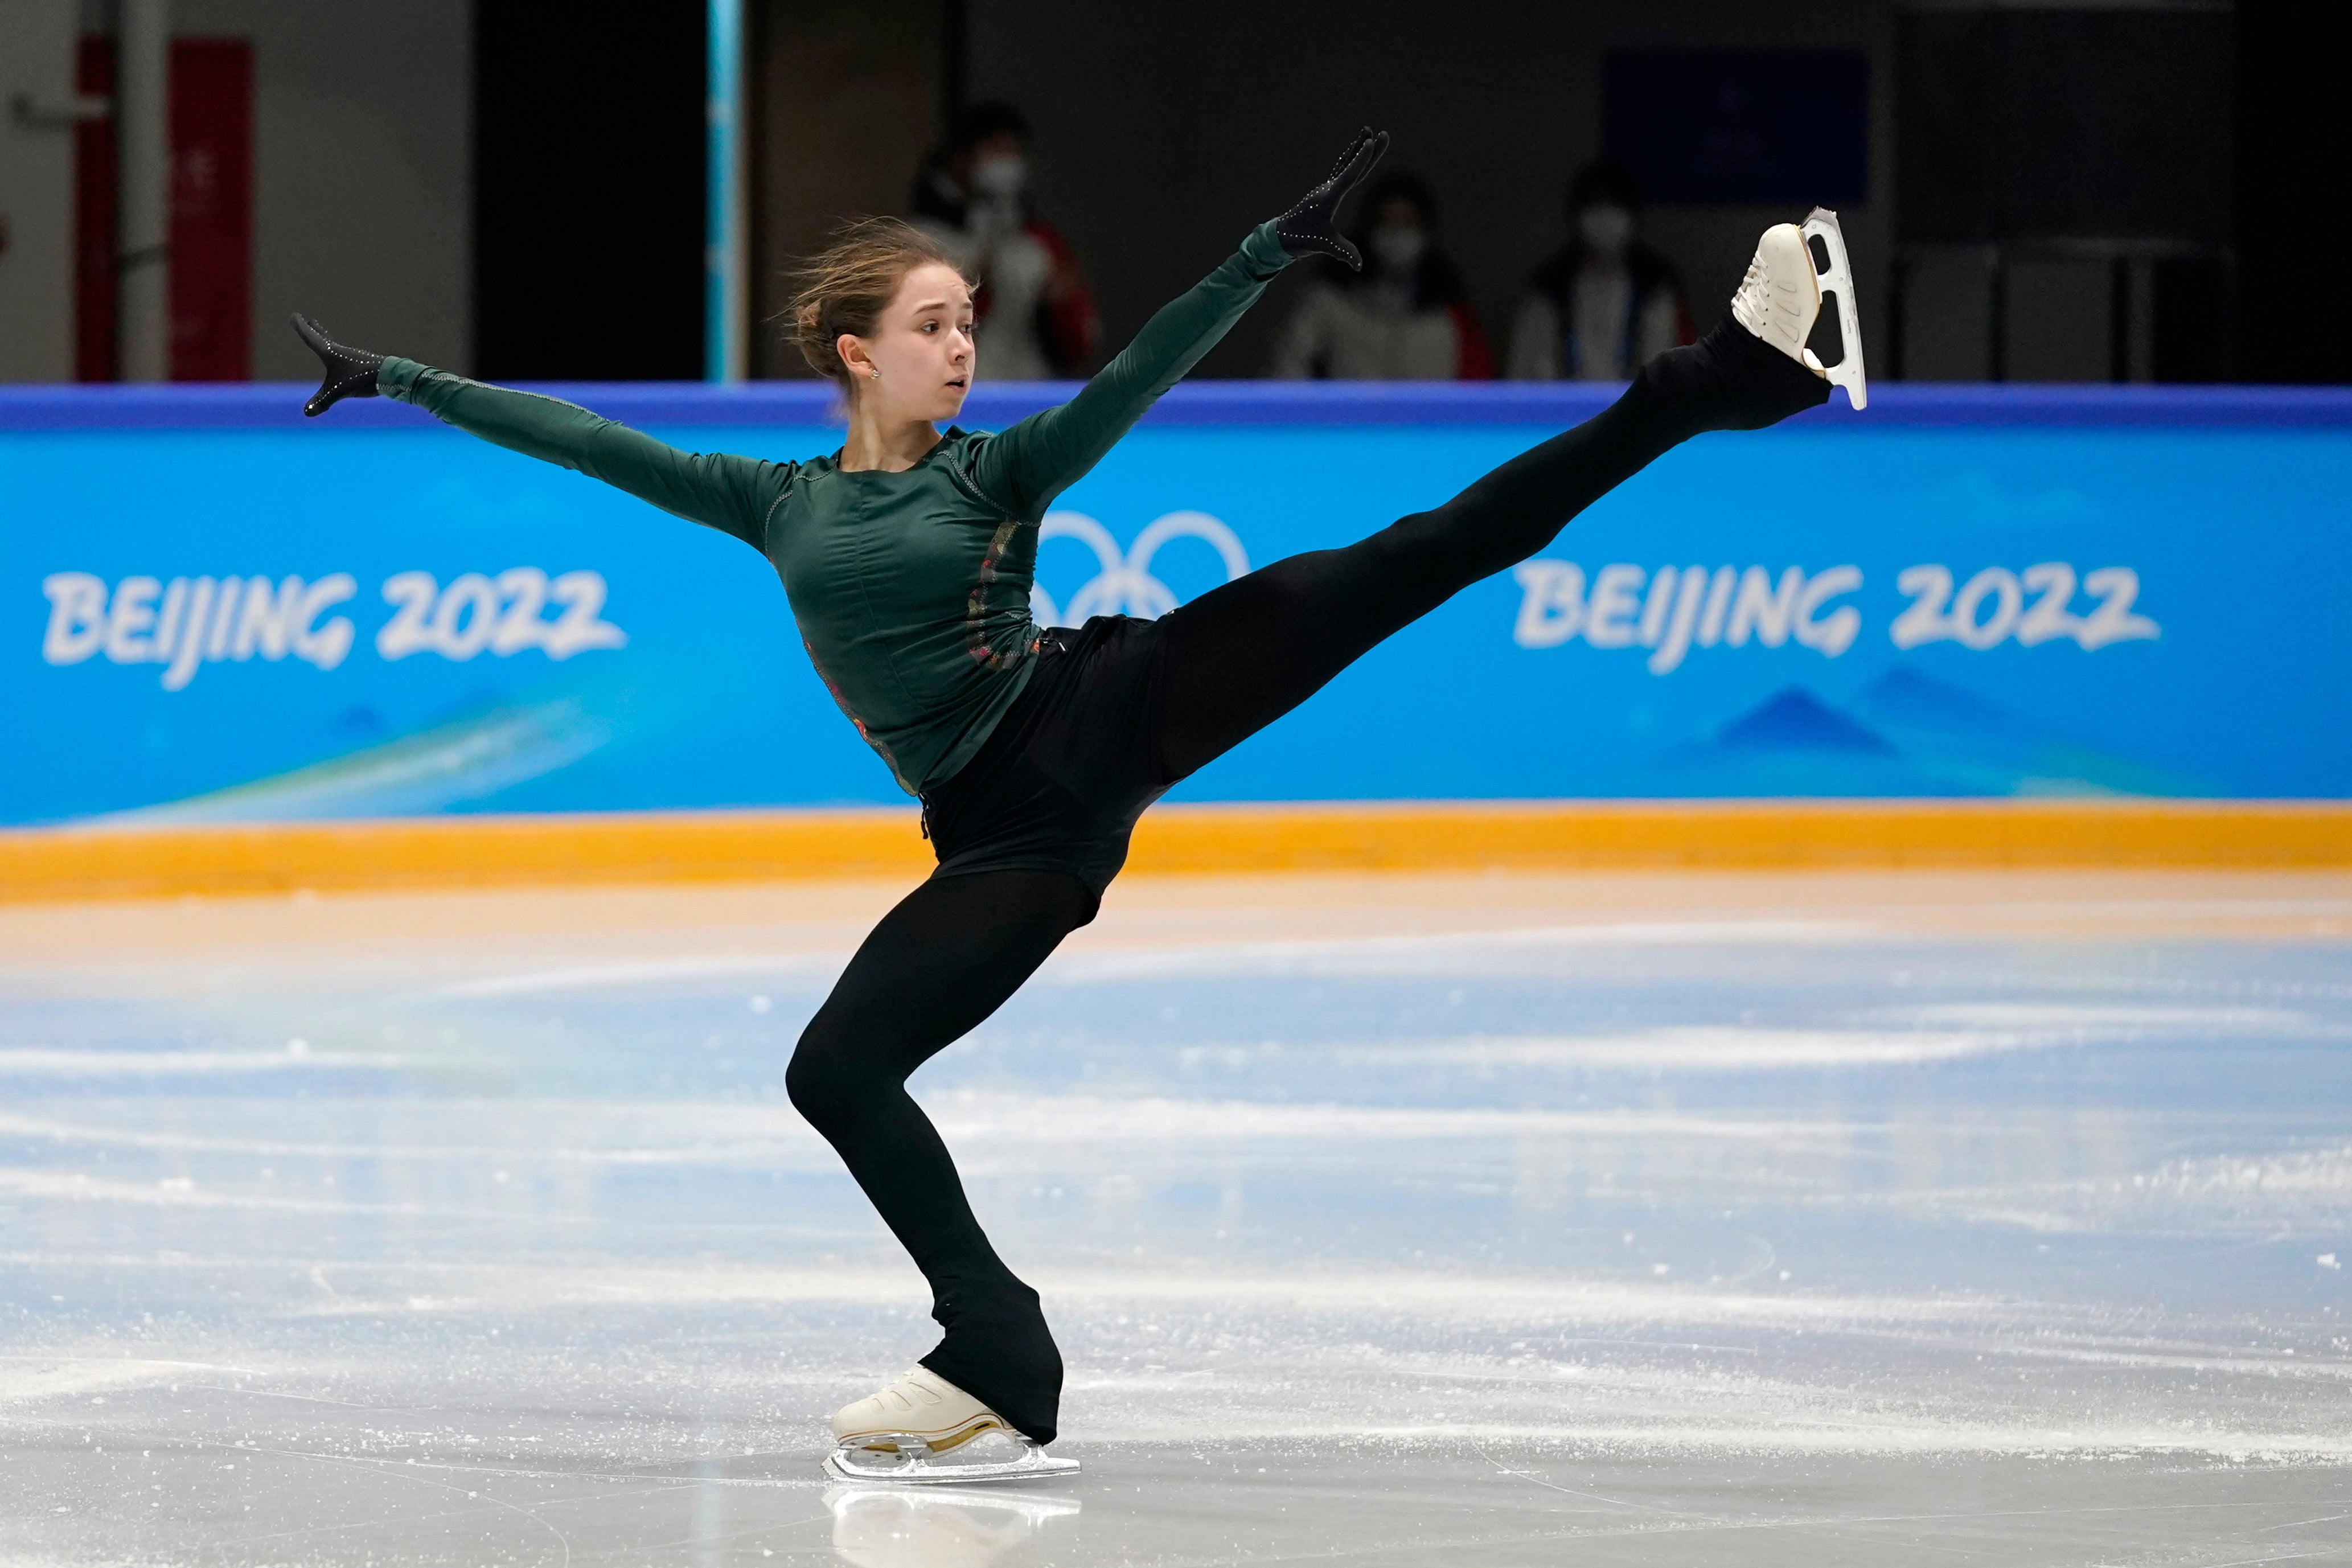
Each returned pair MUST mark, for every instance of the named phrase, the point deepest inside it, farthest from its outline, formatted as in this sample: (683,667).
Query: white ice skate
(923,1430)
(1781,298)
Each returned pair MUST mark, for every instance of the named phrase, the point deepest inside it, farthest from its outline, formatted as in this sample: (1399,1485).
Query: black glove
(1311,226)
(350,373)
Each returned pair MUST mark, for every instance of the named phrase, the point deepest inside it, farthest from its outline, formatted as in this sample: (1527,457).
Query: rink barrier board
(710,846)
(2184,543)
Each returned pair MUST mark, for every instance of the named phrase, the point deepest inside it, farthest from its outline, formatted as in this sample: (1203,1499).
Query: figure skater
(908,556)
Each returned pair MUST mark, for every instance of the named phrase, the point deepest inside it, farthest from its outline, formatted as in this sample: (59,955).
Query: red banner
(211,129)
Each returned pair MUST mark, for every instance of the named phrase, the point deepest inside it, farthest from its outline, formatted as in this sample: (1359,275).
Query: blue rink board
(2154,586)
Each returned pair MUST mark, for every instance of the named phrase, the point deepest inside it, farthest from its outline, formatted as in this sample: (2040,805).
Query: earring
(877,375)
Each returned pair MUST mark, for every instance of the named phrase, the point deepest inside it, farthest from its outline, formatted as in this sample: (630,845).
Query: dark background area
(2295,149)
(1162,136)
(2146,192)
(2077,139)
(588,189)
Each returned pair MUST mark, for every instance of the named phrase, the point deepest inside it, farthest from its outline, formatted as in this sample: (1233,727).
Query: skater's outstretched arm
(1030,463)
(716,490)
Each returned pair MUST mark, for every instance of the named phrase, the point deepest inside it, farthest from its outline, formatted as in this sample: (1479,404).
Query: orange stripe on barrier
(132,862)
(1728,835)
(446,852)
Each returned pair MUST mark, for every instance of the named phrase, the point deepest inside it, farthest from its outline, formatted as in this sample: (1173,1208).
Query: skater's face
(917,362)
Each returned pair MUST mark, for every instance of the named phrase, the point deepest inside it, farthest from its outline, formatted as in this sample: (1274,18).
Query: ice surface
(1384,1220)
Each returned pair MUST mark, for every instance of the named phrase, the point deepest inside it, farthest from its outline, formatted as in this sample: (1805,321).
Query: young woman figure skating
(907,557)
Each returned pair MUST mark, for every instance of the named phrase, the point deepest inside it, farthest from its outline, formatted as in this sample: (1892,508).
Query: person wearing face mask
(1605,304)
(1406,317)
(1037,319)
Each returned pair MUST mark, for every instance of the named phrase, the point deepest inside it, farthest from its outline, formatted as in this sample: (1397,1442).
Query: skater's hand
(348,371)
(1312,226)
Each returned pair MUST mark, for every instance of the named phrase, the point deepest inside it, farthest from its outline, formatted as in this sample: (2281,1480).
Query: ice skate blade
(1837,278)
(995,1455)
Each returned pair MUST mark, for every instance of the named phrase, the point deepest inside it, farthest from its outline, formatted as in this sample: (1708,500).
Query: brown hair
(845,286)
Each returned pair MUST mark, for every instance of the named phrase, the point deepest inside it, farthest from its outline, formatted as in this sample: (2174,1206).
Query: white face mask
(1000,178)
(1606,227)
(1398,249)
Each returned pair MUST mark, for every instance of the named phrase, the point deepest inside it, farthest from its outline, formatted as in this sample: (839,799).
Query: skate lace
(1753,301)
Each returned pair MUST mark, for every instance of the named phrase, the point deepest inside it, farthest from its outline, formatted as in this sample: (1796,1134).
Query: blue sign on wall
(1739,125)
(209,611)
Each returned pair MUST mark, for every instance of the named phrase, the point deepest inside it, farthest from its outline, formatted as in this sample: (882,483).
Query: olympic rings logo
(1126,587)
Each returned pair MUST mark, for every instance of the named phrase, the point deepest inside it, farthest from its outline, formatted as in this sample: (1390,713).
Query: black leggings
(1238,657)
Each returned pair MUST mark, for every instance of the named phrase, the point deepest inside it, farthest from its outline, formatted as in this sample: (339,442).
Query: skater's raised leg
(1243,655)
(937,966)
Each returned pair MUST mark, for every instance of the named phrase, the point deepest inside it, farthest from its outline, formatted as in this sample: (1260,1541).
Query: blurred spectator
(1606,303)
(1404,318)
(1036,315)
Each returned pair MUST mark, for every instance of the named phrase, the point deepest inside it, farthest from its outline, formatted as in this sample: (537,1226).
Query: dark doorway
(588,190)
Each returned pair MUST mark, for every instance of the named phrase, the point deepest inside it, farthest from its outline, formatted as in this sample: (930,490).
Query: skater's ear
(856,363)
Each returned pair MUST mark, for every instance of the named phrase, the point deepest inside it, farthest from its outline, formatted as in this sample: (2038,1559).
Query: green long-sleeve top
(911,589)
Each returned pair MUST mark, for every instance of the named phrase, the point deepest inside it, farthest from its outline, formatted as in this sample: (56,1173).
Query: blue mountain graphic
(1974,745)
(1907,734)
(1794,720)
(1905,699)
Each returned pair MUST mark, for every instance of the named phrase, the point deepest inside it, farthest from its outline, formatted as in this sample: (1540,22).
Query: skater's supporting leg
(1243,655)
(941,963)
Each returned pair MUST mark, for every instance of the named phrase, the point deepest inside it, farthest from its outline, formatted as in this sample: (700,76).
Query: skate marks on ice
(596,1456)
(1769,1233)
